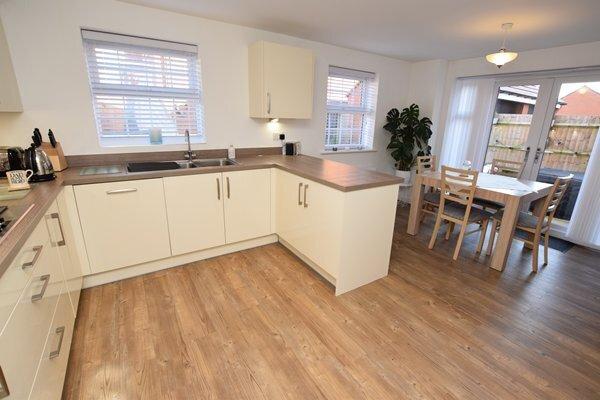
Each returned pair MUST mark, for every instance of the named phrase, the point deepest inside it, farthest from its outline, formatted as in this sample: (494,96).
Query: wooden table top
(497,187)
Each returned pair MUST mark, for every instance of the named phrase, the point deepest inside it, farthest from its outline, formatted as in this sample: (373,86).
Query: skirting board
(175,261)
(308,262)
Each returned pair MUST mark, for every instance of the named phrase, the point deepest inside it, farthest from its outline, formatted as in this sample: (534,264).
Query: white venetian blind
(138,84)
(351,100)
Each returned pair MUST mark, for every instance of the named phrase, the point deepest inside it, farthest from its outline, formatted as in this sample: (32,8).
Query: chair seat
(525,220)
(458,211)
(432,197)
(488,204)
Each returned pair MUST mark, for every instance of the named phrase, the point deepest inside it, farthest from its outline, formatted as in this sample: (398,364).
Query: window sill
(348,151)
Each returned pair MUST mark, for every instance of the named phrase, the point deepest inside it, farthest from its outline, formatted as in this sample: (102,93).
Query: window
(351,99)
(139,84)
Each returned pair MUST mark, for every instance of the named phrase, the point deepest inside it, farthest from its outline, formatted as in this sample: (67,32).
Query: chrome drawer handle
(38,297)
(59,331)
(299,190)
(305,189)
(38,251)
(218,189)
(61,242)
(228,189)
(118,191)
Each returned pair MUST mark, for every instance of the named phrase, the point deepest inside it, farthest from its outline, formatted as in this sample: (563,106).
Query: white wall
(45,43)
(575,56)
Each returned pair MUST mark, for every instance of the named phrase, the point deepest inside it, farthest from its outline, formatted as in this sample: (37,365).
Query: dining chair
(456,200)
(530,225)
(431,197)
(513,169)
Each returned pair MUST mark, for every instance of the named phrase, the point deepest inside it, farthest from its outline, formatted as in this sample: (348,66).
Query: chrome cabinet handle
(4,392)
(38,251)
(38,297)
(59,331)
(118,191)
(305,189)
(299,190)
(268,102)
(61,242)
(228,189)
(218,189)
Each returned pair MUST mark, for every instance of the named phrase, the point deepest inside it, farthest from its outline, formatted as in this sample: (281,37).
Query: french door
(549,123)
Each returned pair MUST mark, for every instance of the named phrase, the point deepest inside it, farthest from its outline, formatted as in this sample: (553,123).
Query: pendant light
(502,57)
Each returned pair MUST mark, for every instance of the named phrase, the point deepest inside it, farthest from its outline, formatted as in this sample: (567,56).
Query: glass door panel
(517,120)
(571,136)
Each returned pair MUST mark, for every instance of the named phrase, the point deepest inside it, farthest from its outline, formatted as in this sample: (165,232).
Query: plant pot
(406,175)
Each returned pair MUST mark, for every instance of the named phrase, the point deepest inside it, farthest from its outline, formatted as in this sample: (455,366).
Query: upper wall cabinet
(10,99)
(281,80)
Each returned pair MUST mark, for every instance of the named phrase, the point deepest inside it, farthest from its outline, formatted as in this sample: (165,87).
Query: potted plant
(410,138)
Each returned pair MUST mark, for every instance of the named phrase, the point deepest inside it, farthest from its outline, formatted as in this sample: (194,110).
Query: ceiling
(409,29)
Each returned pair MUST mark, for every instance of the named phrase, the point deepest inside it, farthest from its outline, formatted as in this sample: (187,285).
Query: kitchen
(193,201)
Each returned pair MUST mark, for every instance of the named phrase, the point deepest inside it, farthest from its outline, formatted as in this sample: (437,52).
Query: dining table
(515,194)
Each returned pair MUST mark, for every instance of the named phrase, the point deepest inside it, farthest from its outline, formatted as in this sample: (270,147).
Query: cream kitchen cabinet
(345,236)
(281,80)
(61,222)
(52,368)
(195,212)
(247,204)
(123,223)
(22,340)
(10,98)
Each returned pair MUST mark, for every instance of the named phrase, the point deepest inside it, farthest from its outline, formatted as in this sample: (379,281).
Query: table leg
(504,238)
(416,204)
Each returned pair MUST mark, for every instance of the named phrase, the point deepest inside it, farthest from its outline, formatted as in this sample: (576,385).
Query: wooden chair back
(426,163)
(561,184)
(513,169)
(458,185)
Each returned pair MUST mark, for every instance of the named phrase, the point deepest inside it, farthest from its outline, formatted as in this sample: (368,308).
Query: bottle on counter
(231,152)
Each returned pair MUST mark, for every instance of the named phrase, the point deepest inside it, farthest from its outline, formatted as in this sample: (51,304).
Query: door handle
(38,251)
(38,296)
(59,331)
(305,190)
(119,191)
(538,152)
(299,194)
(218,189)
(61,242)
(527,150)
(228,189)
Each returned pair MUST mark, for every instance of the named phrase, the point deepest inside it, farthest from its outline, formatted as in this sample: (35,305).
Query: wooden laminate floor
(259,324)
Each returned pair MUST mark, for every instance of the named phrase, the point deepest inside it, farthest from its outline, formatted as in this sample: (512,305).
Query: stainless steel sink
(168,165)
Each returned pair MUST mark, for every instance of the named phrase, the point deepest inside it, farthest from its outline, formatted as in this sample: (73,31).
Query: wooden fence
(569,145)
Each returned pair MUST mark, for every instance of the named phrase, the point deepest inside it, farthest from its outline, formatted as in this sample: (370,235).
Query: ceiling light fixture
(502,57)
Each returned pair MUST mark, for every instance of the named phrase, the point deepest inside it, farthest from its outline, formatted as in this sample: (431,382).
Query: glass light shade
(502,57)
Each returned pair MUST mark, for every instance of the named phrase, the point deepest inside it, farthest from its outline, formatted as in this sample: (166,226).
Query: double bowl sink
(168,165)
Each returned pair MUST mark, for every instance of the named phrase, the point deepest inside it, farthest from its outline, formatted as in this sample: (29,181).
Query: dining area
(499,205)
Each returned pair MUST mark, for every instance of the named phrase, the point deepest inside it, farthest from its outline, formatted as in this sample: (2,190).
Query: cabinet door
(288,81)
(320,239)
(123,223)
(53,363)
(247,204)
(289,219)
(195,212)
(60,225)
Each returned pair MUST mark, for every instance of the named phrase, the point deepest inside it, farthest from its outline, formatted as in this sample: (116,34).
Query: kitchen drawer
(14,279)
(50,377)
(123,223)
(23,338)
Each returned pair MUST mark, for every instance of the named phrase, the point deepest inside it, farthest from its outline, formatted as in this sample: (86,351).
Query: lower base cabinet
(52,368)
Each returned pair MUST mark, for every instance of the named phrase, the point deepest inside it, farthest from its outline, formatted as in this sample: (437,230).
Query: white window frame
(147,96)
(338,109)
